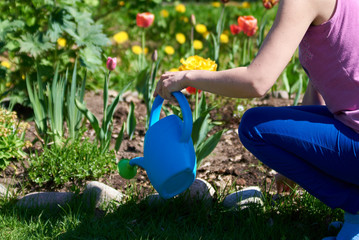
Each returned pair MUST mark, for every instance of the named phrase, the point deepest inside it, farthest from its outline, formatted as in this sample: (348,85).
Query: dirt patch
(229,164)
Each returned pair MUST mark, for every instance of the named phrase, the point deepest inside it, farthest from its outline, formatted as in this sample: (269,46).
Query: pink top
(329,53)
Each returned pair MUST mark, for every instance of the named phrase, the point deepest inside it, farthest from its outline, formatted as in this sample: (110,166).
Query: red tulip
(248,24)
(111,63)
(235,29)
(192,90)
(144,19)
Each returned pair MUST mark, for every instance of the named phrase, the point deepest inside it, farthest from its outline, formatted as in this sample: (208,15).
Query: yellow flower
(8,84)
(136,49)
(246,4)
(169,50)
(197,44)
(61,42)
(197,63)
(224,38)
(173,70)
(181,38)
(23,77)
(180,8)
(6,64)
(201,28)
(120,37)
(122,3)
(164,13)
(216,4)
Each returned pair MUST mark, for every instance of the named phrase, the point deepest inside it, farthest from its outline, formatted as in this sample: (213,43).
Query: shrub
(73,162)
(12,134)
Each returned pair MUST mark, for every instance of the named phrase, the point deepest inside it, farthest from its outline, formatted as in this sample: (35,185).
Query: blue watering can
(169,157)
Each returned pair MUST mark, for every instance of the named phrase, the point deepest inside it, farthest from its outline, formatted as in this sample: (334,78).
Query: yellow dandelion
(120,37)
(122,3)
(136,49)
(169,50)
(201,28)
(6,64)
(246,4)
(23,77)
(173,70)
(181,38)
(197,44)
(164,13)
(61,42)
(8,84)
(146,50)
(224,38)
(181,8)
(216,4)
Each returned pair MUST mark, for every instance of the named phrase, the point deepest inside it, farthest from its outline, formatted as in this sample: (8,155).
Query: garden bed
(229,164)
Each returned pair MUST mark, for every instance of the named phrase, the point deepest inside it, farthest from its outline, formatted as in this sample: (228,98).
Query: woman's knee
(248,123)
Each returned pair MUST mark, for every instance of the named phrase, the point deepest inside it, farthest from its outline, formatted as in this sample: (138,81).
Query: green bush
(73,162)
(12,134)
(41,33)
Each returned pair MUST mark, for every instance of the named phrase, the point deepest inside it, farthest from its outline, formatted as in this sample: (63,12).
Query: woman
(316,145)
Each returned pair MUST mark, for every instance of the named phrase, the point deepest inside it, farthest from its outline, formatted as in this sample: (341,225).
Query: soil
(230,164)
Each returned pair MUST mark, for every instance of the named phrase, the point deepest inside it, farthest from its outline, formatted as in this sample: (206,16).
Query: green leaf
(35,45)
(119,138)
(208,146)
(131,121)
(89,115)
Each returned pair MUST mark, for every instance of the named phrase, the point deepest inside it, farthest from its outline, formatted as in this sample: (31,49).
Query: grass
(293,218)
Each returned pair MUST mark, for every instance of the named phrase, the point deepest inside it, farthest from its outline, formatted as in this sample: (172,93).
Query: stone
(4,192)
(101,195)
(244,198)
(45,199)
(200,190)
(154,199)
(281,94)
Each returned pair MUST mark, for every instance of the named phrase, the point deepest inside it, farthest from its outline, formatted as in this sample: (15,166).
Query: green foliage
(202,125)
(12,135)
(104,133)
(75,162)
(30,30)
(49,105)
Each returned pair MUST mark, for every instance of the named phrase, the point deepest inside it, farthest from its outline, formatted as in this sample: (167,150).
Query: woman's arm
(291,23)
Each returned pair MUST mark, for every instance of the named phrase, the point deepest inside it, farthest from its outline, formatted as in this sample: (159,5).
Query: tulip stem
(143,50)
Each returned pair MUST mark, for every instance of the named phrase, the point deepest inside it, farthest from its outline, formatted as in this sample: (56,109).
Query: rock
(281,94)
(100,195)
(154,199)
(200,190)
(244,198)
(45,199)
(129,96)
(4,192)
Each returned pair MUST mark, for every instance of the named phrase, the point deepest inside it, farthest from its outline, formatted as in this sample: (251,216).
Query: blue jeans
(309,146)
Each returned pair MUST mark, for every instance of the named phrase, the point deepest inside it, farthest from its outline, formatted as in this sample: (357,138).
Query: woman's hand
(170,82)
(284,184)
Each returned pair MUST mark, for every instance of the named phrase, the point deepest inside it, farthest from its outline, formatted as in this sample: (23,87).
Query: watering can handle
(186,113)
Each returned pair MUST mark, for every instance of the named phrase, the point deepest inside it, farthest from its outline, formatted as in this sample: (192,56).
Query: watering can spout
(139,161)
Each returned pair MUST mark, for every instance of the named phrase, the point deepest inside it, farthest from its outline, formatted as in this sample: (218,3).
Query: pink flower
(111,63)
(145,19)
(235,29)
